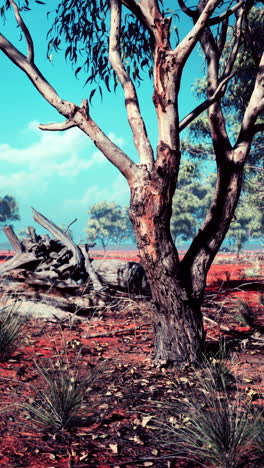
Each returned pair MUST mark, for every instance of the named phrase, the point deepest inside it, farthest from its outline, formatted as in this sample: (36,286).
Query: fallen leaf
(145,420)
(114,448)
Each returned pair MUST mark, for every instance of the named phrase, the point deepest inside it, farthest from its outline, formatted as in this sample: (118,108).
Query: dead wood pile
(57,268)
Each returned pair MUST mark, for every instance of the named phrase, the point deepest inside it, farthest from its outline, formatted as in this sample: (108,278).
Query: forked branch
(75,116)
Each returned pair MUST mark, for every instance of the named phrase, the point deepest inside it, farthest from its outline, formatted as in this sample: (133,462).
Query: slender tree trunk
(177,319)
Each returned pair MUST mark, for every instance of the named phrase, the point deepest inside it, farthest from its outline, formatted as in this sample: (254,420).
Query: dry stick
(123,331)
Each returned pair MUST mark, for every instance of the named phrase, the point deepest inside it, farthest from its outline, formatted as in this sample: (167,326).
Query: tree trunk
(177,319)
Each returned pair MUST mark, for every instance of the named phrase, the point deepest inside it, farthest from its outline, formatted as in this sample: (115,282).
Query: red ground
(114,434)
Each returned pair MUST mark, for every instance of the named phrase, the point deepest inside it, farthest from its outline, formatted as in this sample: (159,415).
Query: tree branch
(23,27)
(186,10)
(235,48)
(78,115)
(225,15)
(185,47)
(57,126)
(207,103)
(222,39)
(216,119)
(136,122)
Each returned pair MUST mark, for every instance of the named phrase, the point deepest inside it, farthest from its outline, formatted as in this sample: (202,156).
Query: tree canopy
(108,222)
(9,210)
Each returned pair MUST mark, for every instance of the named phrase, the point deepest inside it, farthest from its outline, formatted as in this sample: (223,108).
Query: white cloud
(118,191)
(50,146)
(54,154)
(22,184)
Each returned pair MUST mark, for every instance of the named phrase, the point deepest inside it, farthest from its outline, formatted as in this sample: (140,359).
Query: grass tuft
(210,426)
(10,325)
(64,398)
(246,314)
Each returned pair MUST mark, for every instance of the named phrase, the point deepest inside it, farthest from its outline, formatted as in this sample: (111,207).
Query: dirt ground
(114,429)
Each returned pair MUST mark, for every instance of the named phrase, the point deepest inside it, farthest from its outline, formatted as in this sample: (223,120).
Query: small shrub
(10,325)
(64,396)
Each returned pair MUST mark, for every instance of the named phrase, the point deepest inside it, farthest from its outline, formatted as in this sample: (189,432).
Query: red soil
(122,338)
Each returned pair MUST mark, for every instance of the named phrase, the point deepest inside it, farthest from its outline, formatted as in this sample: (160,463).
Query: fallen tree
(57,262)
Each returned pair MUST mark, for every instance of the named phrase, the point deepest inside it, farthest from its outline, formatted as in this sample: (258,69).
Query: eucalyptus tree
(9,210)
(140,35)
(191,200)
(108,222)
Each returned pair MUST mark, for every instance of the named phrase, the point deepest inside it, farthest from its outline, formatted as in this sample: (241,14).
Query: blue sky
(62,174)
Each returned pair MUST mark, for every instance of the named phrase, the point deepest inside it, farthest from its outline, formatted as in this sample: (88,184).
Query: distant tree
(114,41)
(108,222)
(248,222)
(190,201)
(9,210)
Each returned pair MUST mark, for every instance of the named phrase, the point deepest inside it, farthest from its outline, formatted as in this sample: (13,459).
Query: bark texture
(178,327)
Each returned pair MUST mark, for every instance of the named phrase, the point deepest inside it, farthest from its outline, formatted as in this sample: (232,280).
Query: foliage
(247,223)
(63,397)
(8,209)
(190,201)
(10,326)
(108,222)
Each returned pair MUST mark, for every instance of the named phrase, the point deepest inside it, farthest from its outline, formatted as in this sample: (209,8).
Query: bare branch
(23,27)
(73,113)
(131,100)
(222,39)
(225,15)
(235,48)
(57,126)
(207,103)
(186,10)
(185,47)
(219,134)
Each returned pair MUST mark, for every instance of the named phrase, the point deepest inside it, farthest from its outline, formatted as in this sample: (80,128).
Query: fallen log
(122,275)
(59,260)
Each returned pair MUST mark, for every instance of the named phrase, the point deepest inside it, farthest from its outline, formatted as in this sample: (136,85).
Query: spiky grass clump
(64,397)
(213,432)
(212,427)
(10,325)
(218,370)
